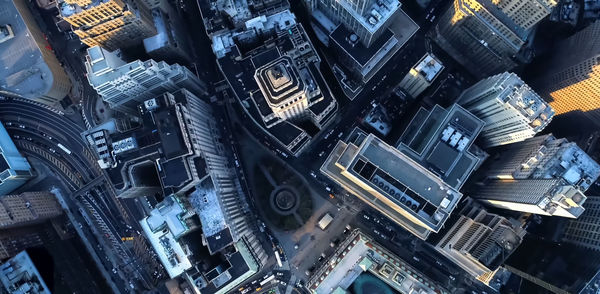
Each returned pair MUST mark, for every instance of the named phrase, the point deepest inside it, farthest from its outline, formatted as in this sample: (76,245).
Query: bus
(64,148)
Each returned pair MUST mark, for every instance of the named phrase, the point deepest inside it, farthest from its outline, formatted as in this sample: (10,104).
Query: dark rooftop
(171,137)
(356,49)
(220,240)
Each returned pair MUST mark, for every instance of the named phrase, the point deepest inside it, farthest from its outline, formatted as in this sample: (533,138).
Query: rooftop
(206,203)
(374,17)
(393,183)
(429,67)
(162,228)
(358,254)
(10,157)
(440,141)
(20,275)
(23,70)
(359,52)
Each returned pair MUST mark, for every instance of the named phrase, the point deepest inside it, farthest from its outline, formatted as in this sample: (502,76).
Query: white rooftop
(429,67)
(208,207)
(162,228)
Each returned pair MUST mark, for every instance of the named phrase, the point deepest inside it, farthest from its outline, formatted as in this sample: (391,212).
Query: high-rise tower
(511,110)
(489,37)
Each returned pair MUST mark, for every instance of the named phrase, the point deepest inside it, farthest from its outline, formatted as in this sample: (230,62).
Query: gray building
(511,110)
(14,168)
(125,85)
(417,183)
(170,44)
(28,66)
(489,37)
(541,175)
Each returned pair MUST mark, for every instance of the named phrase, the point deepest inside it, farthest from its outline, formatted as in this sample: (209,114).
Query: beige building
(489,37)
(572,82)
(421,75)
(29,67)
(111,24)
(28,208)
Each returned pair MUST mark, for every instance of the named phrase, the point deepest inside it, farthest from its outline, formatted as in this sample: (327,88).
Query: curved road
(37,130)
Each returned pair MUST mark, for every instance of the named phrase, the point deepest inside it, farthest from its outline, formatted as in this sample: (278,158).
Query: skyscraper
(479,242)
(24,220)
(541,175)
(511,110)
(14,168)
(364,34)
(489,37)
(29,67)
(571,83)
(585,231)
(125,85)
(112,24)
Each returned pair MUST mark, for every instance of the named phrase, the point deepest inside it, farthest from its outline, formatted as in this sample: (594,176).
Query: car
(452,278)
(237,163)
(21,126)
(296,246)
(416,258)
(321,154)
(327,188)
(312,174)
(366,217)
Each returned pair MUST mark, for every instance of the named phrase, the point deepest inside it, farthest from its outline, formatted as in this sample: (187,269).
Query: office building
(125,85)
(544,157)
(278,83)
(173,219)
(585,230)
(489,37)
(358,258)
(363,34)
(14,168)
(541,175)
(417,183)
(25,221)
(170,43)
(421,75)
(169,153)
(571,82)
(111,24)
(28,208)
(29,67)
(20,275)
(511,110)
(479,242)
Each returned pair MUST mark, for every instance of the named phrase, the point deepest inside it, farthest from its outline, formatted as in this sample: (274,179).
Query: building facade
(14,168)
(111,24)
(585,231)
(28,208)
(29,67)
(125,85)
(511,110)
(571,83)
(479,242)
(489,37)
(421,75)
(541,175)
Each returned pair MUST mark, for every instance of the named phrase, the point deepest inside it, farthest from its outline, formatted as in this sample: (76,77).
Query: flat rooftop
(440,139)
(206,202)
(362,54)
(373,17)
(429,67)
(23,70)
(393,183)
(162,228)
